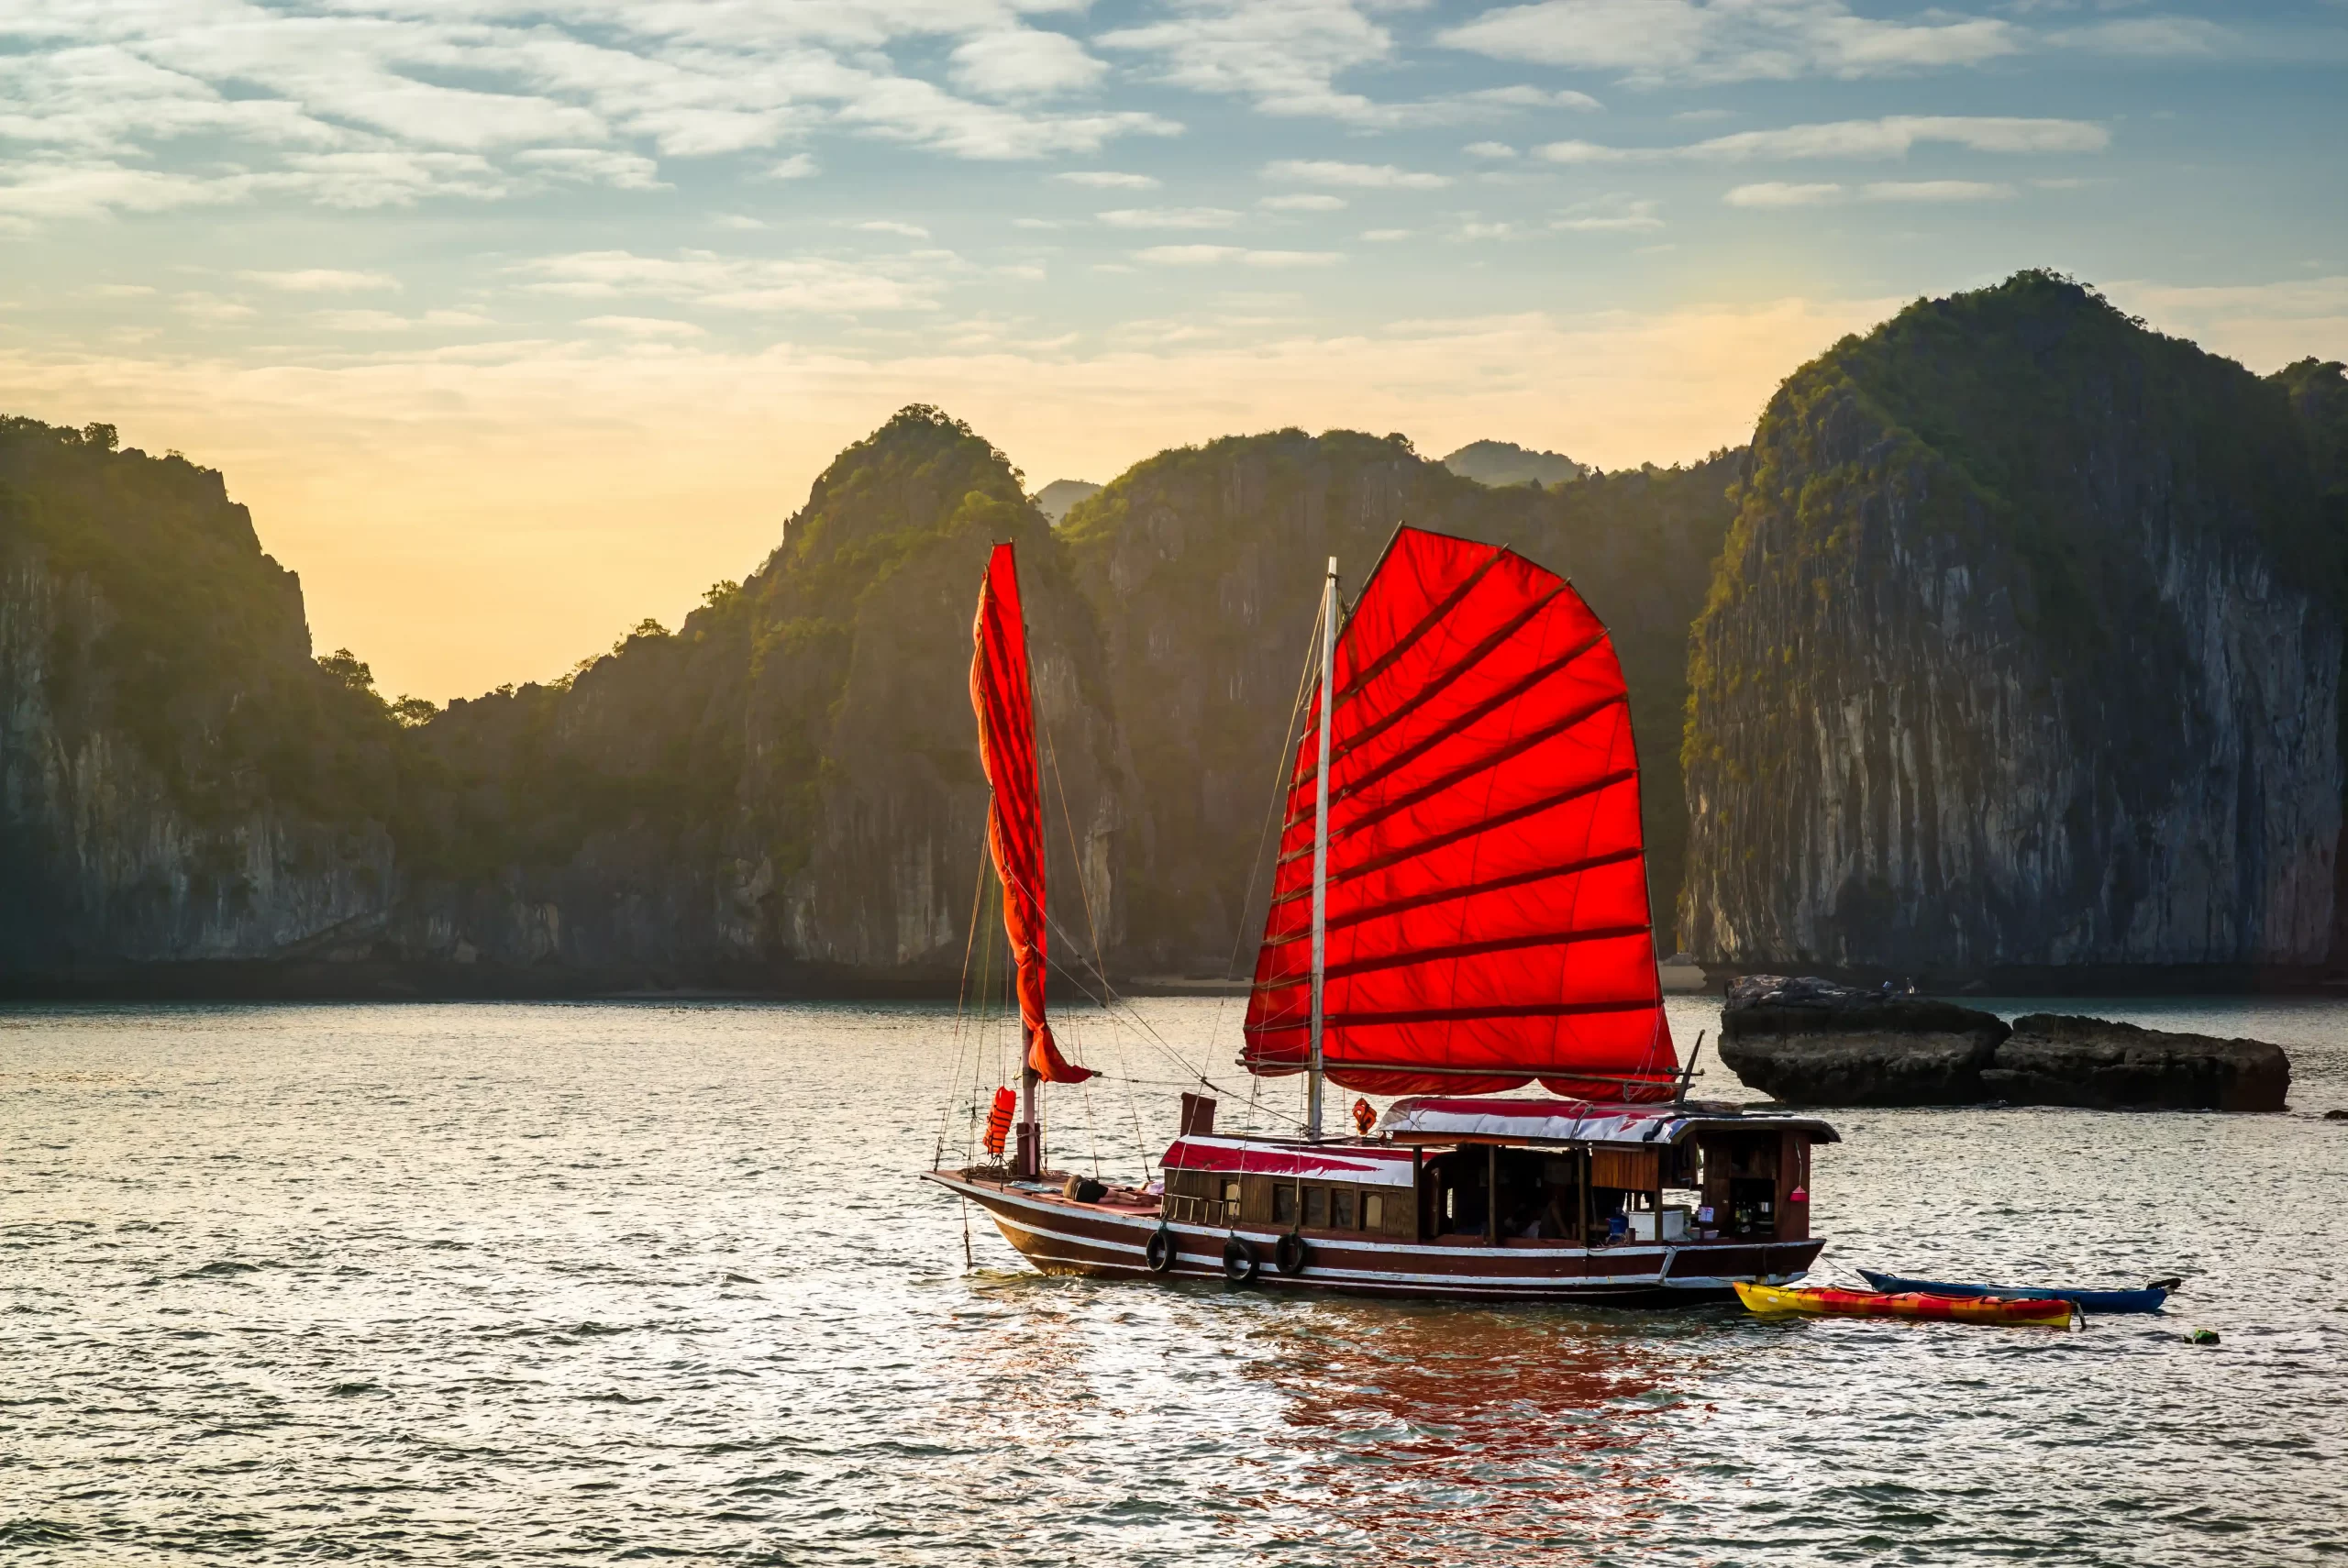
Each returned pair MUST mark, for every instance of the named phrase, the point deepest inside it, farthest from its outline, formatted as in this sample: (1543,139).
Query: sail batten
(1005,702)
(1487,916)
(1446,895)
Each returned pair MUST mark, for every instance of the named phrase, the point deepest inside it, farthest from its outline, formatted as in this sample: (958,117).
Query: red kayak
(2047,1313)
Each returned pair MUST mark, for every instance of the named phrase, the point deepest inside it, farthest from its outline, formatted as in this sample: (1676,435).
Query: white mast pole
(1321,849)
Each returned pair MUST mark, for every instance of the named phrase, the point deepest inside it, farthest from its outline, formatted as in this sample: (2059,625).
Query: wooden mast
(1031,1092)
(1320,850)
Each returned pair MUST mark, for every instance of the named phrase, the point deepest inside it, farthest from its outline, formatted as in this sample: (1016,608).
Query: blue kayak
(2148,1300)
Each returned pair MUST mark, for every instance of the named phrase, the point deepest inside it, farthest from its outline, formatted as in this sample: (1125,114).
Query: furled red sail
(1006,710)
(1487,919)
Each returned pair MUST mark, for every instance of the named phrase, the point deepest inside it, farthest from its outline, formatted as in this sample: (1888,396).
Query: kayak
(2044,1312)
(2148,1300)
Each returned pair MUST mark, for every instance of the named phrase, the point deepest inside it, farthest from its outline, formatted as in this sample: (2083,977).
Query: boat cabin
(1513,1173)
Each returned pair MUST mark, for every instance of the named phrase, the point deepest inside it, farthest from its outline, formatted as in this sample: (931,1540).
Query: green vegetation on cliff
(183,636)
(2008,657)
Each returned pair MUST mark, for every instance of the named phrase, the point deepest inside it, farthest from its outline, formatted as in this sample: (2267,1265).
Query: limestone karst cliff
(790,779)
(1205,564)
(2024,652)
(783,791)
(177,778)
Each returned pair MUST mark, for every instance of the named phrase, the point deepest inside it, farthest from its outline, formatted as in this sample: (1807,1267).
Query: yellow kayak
(2050,1313)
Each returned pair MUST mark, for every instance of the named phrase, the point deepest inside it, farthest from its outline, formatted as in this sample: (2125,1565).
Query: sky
(514,323)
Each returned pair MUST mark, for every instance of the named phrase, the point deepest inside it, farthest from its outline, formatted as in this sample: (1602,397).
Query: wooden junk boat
(1458,912)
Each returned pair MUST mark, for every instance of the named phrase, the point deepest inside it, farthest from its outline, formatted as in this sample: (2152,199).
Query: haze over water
(519,1282)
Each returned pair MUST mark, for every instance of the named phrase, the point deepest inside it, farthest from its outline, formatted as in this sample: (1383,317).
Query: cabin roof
(1431,1119)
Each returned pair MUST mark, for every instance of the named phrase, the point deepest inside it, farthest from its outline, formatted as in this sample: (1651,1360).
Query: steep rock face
(2023,651)
(791,778)
(2052,1059)
(1205,566)
(1809,1042)
(784,792)
(178,780)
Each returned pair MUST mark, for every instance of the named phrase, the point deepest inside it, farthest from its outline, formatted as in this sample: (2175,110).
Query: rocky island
(1810,1042)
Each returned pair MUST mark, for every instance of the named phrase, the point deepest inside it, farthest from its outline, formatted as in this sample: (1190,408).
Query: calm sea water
(517,1283)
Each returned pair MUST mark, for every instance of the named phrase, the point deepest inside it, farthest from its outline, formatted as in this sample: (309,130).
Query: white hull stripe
(1213,1237)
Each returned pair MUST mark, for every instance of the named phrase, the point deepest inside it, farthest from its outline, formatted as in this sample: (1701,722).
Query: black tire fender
(1291,1255)
(1240,1260)
(1159,1254)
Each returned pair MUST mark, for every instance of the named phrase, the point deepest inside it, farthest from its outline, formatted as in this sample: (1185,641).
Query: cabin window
(1231,1192)
(1284,1205)
(1341,1210)
(1316,1207)
(1373,1212)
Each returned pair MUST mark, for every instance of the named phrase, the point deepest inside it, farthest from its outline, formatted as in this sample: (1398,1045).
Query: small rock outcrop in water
(2023,653)
(2051,1059)
(1810,1042)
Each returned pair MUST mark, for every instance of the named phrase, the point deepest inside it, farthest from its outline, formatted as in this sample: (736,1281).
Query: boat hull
(2149,1299)
(1060,1235)
(2041,1313)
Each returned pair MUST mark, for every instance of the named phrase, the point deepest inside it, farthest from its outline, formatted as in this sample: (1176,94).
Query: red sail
(1487,919)
(999,692)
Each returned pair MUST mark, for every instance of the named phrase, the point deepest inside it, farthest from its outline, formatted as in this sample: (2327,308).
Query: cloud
(2265,325)
(1216,254)
(1107,180)
(594,165)
(1936,191)
(645,327)
(818,285)
(361,321)
(1523,97)
(1387,236)
(1302,203)
(1489,150)
(1170,217)
(1359,176)
(1777,194)
(1024,63)
(2146,37)
(890,225)
(1892,137)
(1282,57)
(1728,40)
(324,280)
(798,166)
(1610,215)
(210,310)
(154,104)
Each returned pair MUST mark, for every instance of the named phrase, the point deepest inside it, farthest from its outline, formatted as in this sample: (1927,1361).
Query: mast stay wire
(1093,925)
(961,1000)
(1275,804)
